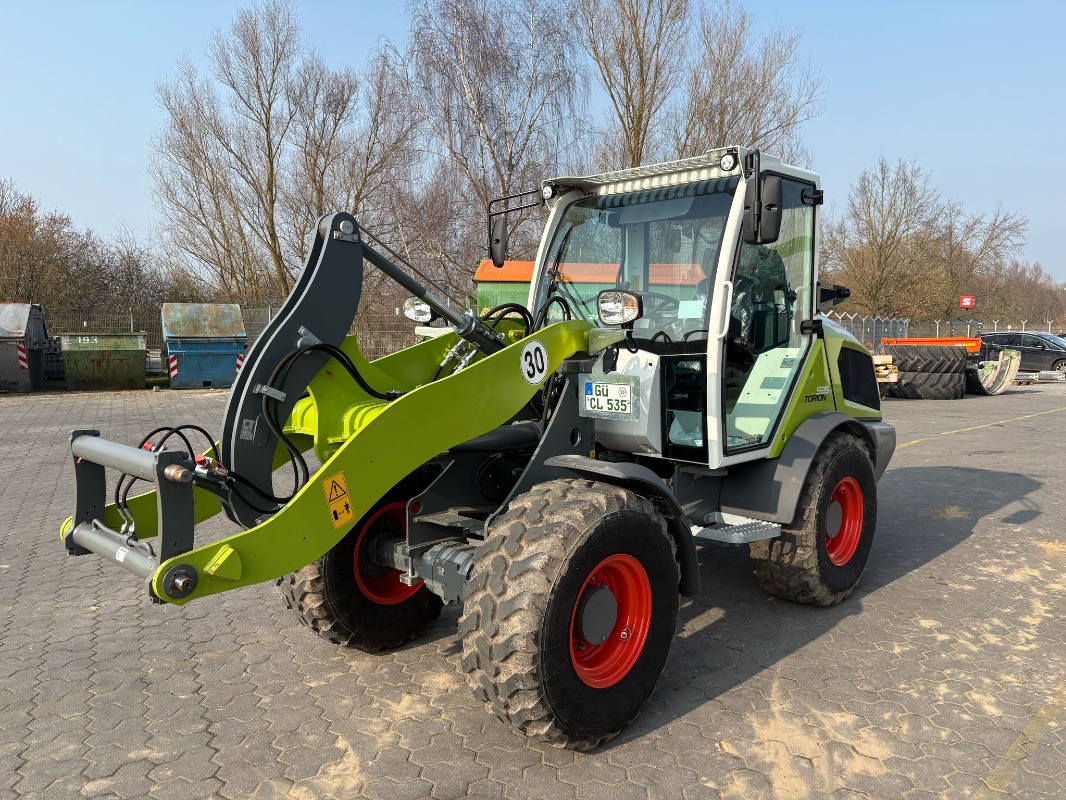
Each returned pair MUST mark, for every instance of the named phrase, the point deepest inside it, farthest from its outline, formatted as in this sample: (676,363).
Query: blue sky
(972,90)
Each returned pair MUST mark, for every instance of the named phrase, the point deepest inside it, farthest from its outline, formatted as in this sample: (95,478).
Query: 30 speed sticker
(534,362)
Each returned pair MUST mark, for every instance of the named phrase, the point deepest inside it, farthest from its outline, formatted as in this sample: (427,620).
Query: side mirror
(762,210)
(770,222)
(498,241)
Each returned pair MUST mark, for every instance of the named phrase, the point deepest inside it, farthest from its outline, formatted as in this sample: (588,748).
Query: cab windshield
(662,244)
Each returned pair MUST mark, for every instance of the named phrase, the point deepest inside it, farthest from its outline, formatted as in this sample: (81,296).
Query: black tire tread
(929,386)
(787,567)
(926,358)
(501,615)
(304,593)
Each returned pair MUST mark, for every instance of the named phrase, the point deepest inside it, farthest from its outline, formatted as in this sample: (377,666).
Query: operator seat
(772,298)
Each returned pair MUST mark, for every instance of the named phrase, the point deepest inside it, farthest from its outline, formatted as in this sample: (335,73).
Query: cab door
(765,348)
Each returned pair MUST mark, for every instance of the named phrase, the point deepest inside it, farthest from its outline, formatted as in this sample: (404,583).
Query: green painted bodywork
(375,444)
(806,399)
(837,339)
(819,371)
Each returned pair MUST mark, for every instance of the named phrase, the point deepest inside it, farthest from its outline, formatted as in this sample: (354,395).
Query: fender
(770,489)
(644,482)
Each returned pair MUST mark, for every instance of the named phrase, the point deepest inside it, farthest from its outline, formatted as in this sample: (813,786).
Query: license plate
(610,397)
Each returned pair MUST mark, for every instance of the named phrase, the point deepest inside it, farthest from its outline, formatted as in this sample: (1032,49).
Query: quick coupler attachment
(171,472)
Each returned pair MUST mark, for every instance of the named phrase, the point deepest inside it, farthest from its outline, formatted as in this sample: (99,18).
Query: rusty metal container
(94,360)
(204,344)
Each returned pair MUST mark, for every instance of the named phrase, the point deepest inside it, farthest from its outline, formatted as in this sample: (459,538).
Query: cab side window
(764,345)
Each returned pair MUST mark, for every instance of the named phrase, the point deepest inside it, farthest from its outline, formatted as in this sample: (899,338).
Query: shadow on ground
(923,513)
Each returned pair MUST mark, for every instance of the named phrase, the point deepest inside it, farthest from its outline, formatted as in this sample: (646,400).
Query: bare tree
(903,251)
(352,144)
(744,89)
(252,154)
(635,47)
(34,249)
(968,252)
(879,245)
(496,88)
(221,153)
(45,259)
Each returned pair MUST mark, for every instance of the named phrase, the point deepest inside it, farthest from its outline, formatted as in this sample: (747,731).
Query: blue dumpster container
(203,343)
(22,342)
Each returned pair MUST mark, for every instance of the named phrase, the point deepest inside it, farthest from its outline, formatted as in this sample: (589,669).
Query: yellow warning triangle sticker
(335,487)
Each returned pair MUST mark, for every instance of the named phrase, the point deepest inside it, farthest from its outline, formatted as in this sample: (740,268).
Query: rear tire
(349,601)
(806,564)
(569,611)
(1060,366)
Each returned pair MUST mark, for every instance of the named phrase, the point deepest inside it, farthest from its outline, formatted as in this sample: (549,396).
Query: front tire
(820,558)
(1060,366)
(347,599)
(569,611)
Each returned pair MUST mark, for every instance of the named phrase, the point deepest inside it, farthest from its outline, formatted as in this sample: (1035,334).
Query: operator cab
(721,340)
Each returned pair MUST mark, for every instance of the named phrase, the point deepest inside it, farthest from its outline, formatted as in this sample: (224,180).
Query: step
(471,519)
(733,529)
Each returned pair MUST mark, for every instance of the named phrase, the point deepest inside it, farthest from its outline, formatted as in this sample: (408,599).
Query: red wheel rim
(603,665)
(848,496)
(379,583)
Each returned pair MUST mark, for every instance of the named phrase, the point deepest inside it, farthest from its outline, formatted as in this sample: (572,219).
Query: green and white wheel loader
(551,466)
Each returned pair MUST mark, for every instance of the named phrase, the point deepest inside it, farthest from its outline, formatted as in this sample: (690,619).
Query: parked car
(1040,351)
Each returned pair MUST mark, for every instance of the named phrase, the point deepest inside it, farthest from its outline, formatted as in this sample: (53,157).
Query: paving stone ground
(944,675)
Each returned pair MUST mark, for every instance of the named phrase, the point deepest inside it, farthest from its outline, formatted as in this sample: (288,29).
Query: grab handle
(727,304)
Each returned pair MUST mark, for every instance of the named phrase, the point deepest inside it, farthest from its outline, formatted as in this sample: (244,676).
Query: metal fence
(133,319)
(939,329)
(871,330)
(379,325)
(382,329)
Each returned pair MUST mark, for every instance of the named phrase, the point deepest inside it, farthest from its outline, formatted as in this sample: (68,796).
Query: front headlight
(619,308)
(417,310)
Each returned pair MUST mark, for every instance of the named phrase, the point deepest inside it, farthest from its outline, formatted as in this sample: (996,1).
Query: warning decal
(335,491)
(337,500)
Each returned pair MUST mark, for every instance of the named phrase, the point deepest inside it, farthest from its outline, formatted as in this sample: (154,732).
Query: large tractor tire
(819,559)
(926,358)
(929,386)
(569,611)
(349,600)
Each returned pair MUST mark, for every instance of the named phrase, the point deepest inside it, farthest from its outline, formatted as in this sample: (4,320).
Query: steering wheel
(662,301)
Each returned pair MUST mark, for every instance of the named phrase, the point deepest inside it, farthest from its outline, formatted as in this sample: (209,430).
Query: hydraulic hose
(496,314)
(270,410)
(542,313)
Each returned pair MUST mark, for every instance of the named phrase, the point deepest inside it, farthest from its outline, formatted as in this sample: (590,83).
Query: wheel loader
(551,466)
